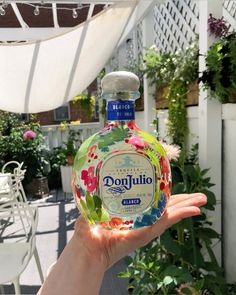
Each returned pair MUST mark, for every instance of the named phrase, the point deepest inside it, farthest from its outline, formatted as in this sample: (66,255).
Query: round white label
(127,183)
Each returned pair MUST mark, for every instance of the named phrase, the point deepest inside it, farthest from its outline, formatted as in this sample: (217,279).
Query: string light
(74,13)
(2,11)
(36,10)
(44,6)
(4,4)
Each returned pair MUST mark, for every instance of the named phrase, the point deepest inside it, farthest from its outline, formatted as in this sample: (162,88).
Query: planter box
(192,96)
(232,98)
(66,178)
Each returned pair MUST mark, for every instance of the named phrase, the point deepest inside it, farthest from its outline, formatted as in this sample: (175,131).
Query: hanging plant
(177,113)
(86,101)
(219,76)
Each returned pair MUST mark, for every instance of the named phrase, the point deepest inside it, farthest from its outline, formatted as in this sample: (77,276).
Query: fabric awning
(43,75)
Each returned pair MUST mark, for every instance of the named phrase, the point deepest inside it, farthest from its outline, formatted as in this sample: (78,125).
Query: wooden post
(210,118)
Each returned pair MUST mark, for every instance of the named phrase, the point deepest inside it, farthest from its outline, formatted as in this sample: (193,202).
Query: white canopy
(43,75)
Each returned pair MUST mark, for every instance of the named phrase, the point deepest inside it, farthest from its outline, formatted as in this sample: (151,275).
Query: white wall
(192,116)
(229,189)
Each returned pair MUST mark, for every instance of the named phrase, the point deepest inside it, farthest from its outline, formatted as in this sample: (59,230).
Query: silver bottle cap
(120,81)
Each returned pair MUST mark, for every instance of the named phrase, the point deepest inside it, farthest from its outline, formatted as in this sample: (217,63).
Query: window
(62,113)
(24,117)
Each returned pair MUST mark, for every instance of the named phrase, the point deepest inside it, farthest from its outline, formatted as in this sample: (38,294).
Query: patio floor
(55,228)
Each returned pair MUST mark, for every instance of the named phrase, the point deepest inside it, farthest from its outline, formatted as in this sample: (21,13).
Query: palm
(112,245)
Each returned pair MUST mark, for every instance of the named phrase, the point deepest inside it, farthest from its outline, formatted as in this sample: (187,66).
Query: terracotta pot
(70,160)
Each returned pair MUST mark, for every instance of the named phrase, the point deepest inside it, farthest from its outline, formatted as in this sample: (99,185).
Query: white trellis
(176,24)
(172,25)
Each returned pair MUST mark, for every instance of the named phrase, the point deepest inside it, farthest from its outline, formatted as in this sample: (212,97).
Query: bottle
(121,175)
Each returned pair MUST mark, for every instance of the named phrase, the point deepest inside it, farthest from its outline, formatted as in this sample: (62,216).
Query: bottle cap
(120,81)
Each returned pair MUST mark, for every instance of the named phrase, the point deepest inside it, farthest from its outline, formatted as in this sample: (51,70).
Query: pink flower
(29,134)
(137,142)
(172,151)
(90,180)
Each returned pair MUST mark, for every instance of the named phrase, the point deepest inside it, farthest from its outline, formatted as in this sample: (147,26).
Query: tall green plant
(178,260)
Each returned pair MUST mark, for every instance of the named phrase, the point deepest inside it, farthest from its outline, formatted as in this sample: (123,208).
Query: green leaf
(178,188)
(141,264)
(150,265)
(90,202)
(167,280)
(128,260)
(207,232)
(199,285)
(211,199)
(124,274)
(170,244)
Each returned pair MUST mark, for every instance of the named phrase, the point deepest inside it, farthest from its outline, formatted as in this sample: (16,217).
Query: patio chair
(17,175)
(17,241)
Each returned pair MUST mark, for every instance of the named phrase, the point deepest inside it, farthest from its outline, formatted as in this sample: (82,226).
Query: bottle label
(120,110)
(127,183)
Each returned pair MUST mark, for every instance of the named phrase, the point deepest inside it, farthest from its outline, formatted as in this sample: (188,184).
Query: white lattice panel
(176,24)
(229,13)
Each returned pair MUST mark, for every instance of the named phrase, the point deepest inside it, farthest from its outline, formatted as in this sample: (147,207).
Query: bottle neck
(120,110)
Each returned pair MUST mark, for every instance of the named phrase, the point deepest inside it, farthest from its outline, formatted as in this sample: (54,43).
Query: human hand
(107,246)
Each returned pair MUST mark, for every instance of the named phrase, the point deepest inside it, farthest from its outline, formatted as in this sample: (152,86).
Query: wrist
(83,252)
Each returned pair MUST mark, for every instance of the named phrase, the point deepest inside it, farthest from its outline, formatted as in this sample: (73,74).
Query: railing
(55,135)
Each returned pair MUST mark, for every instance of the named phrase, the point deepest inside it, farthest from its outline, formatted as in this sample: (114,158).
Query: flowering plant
(23,143)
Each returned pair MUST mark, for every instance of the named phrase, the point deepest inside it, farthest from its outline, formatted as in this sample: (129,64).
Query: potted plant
(67,154)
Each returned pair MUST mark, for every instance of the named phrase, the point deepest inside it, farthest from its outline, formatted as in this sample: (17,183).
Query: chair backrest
(18,223)
(17,175)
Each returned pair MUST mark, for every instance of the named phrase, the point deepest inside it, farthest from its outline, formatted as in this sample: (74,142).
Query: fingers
(185,201)
(177,215)
(174,199)
(172,217)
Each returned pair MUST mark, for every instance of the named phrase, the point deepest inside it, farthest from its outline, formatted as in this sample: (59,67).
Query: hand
(109,246)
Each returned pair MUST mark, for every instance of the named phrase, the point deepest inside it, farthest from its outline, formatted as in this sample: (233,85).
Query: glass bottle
(121,175)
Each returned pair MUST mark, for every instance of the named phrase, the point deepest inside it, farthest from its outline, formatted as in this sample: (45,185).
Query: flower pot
(38,187)
(70,160)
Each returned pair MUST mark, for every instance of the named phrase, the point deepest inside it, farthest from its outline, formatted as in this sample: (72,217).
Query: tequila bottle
(121,175)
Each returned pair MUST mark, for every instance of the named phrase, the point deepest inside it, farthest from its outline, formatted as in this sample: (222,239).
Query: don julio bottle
(121,175)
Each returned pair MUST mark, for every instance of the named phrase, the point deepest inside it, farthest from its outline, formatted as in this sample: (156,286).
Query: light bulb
(4,4)
(36,10)
(74,13)
(2,11)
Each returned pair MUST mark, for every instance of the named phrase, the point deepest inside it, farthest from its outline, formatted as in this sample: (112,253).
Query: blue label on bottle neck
(120,110)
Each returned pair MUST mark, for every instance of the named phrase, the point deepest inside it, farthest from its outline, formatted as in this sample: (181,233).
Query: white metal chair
(15,184)
(17,241)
